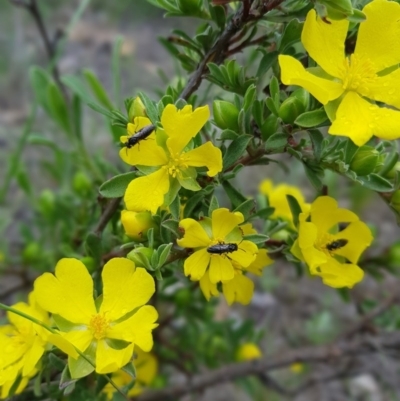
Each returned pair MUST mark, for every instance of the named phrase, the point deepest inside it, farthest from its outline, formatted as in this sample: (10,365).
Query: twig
(371,315)
(106,216)
(310,354)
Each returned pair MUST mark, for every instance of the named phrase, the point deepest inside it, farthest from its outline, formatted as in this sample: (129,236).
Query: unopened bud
(89,262)
(81,183)
(47,202)
(226,115)
(290,109)
(247,352)
(365,160)
(136,224)
(136,109)
(141,256)
(394,254)
(395,200)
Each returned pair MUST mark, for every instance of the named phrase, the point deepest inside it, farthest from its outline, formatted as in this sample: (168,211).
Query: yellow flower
(22,345)
(358,79)
(247,352)
(297,367)
(136,224)
(172,160)
(277,199)
(219,231)
(240,288)
(107,329)
(328,252)
(146,367)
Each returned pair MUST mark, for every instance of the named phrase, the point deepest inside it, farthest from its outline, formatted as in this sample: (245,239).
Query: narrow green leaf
(115,187)
(276,141)
(165,251)
(314,177)
(258,239)
(97,88)
(317,142)
(311,118)
(76,109)
(266,63)
(236,150)
(271,106)
(247,208)
(350,150)
(234,195)
(172,226)
(175,207)
(376,183)
(213,205)
(40,79)
(291,35)
(294,208)
(58,107)
(151,108)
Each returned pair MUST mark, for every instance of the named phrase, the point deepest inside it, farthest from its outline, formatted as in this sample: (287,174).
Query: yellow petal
(182,125)
(246,253)
(296,251)
(221,269)
(110,360)
(293,73)
(325,214)
(240,289)
(379,35)
(262,260)
(206,155)
(144,153)
(194,236)
(69,293)
(338,275)
(325,42)
(32,356)
(124,288)
(147,193)
(63,344)
(247,352)
(360,120)
(138,328)
(358,236)
(308,234)
(247,229)
(384,89)
(196,264)
(80,339)
(136,224)
(208,288)
(224,221)
(146,366)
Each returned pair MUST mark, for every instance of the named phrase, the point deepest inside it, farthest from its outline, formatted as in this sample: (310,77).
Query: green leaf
(249,97)
(117,344)
(265,212)
(276,141)
(311,118)
(97,88)
(247,208)
(350,150)
(40,79)
(57,362)
(291,35)
(175,207)
(317,142)
(274,89)
(193,202)
(266,63)
(235,150)
(314,177)
(258,239)
(76,109)
(234,195)
(172,226)
(376,183)
(116,186)
(58,107)
(75,85)
(213,205)
(271,106)
(93,246)
(294,208)
(357,16)
(164,251)
(150,107)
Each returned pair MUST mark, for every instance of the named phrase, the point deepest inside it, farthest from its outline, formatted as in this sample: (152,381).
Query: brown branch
(331,353)
(106,216)
(50,45)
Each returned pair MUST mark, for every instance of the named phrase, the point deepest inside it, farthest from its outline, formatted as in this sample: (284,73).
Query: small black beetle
(139,136)
(222,248)
(337,244)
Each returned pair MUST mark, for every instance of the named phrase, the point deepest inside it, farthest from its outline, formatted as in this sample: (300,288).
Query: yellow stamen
(99,325)
(357,72)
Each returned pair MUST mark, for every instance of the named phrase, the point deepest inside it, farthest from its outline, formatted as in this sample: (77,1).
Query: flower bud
(269,127)
(81,183)
(47,202)
(136,109)
(393,172)
(226,115)
(290,109)
(365,160)
(335,9)
(31,252)
(136,224)
(247,352)
(141,256)
(303,96)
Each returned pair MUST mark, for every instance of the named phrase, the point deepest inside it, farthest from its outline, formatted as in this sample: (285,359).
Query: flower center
(98,326)
(358,71)
(176,164)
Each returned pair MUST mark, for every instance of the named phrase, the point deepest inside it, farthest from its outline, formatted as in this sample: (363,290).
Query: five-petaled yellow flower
(221,230)
(277,199)
(22,345)
(248,352)
(352,83)
(329,251)
(105,329)
(170,154)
